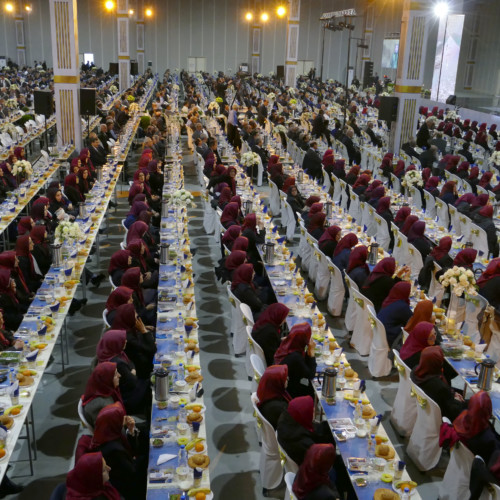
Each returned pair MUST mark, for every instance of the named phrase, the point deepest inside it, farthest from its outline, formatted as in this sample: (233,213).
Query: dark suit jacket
(312,163)
(375,140)
(423,136)
(98,156)
(410,151)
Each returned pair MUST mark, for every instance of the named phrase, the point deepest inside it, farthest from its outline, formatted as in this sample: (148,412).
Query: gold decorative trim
(408,89)
(291,63)
(66,79)
(124,58)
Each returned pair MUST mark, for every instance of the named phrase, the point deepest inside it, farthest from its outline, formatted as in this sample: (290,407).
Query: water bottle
(371,446)
(341,375)
(358,410)
(180,372)
(183,461)
(182,414)
(180,344)
(406,494)
(180,322)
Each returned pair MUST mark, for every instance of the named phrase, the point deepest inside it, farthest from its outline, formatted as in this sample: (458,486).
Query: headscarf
(74,164)
(84,481)
(465,198)
(120,295)
(297,340)
(85,159)
(432,183)
(225,196)
(465,258)
(362,180)
(464,166)
(385,267)
(19,153)
(492,271)
(476,418)
(422,312)
(402,214)
(231,234)
(144,216)
(8,261)
(330,234)
(417,340)
(400,166)
(109,426)
(383,204)
(272,161)
(135,189)
(442,248)
(480,200)
(374,185)
(426,174)
(274,315)
(301,409)
(276,170)
(416,231)
(289,182)
(240,243)
(486,211)
(357,258)
(236,199)
(400,291)
(23,250)
(135,248)
(410,220)
(230,213)
(474,173)
(137,208)
(243,275)
(235,259)
(250,222)
(377,193)
(328,158)
(316,221)
(137,231)
(314,470)
(5,289)
(272,384)
(312,200)
(111,346)
(153,166)
(485,179)
(71,180)
(354,170)
(448,187)
(24,226)
(119,260)
(38,212)
(125,318)
(430,365)
(339,166)
(346,242)
(100,384)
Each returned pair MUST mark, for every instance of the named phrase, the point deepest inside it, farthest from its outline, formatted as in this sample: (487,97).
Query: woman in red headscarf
(120,261)
(297,431)
(343,251)
(428,375)
(484,182)
(440,256)
(401,216)
(272,394)
(475,429)
(102,389)
(416,236)
(144,300)
(255,237)
(395,312)
(10,261)
(277,175)
(357,268)
(289,182)
(12,310)
(328,241)
(484,219)
(465,258)
(489,283)
(89,480)
(141,345)
(71,189)
(269,329)
(312,481)
(24,225)
(234,260)
(230,215)
(421,336)
(297,351)
(272,161)
(361,184)
(352,175)
(408,223)
(24,247)
(119,296)
(244,289)
(135,392)
(380,281)
(139,230)
(240,243)
(128,473)
(230,236)
(41,249)
(449,192)
(295,200)
(225,197)
(7,340)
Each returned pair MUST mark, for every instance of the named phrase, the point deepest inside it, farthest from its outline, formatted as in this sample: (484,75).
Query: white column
(410,73)
(256,41)
(123,44)
(140,27)
(64,36)
(292,43)
(20,41)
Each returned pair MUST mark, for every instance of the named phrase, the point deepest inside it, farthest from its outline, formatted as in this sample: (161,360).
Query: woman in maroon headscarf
(338,169)
(139,230)
(463,203)
(41,249)
(230,215)
(10,261)
(289,182)
(134,190)
(102,389)
(432,186)
(439,255)
(357,268)
(127,474)
(231,234)
(395,311)
(120,261)
(312,481)
(272,394)
(297,431)
(7,340)
(376,195)
(12,310)
(272,161)
(89,480)
(240,243)
(328,241)
(475,429)
(416,236)
(465,258)
(361,184)
(380,281)
(136,209)
(40,212)
(401,216)
(225,197)
(144,300)
(352,175)
(463,170)
(328,159)
(484,219)
(84,181)
(25,225)
(343,251)
(269,329)
(296,351)
(141,345)
(85,161)
(422,336)
(449,192)
(374,185)
(428,375)
(244,289)
(234,260)
(255,237)
(24,246)
(484,182)
(408,223)
(71,189)
(119,296)
(277,175)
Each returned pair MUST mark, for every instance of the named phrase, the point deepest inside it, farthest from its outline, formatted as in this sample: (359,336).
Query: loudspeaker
(452,99)
(44,103)
(87,102)
(280,72)
(367,73)
(134,68)
(388,109)
(113,68)
(150,64)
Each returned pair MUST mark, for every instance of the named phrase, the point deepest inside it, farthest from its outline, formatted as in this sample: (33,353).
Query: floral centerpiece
(291,91)
(130,98)
(175,87)
(249,159)
(271,96)
(182,198)
(451,115)
(68,231)
(260,75)
(495,158)
(279,128)
(113,89)
(413,178)
(10,129)
(460,281)
(149,81)
(11,103)
(134,108)
(22,169)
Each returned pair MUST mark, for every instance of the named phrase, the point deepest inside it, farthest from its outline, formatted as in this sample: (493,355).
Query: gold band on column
(66,79)
(408,89)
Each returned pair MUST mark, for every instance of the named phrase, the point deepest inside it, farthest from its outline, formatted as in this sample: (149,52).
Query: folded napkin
(164,457)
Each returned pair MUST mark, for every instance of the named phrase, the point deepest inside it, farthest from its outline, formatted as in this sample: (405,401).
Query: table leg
(32,418)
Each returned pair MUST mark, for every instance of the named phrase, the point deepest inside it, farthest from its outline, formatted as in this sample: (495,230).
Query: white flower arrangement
(249,159)
(260,75)
(460,280)
(271,73)
(331,81)
(14,86)
(213,106)
(182,198)
(68,231)
(10,129)
(495,158)
(11,103)
(113,89)
(149,81)
(175,87)
(370,89)
(279,128)
(271,96)
(291,91)
(451,115)
(22,168)
(353,88)
(413,178)
(133,108)
(384,94)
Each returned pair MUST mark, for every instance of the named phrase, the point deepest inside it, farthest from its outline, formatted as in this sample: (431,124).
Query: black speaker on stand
(280,72)
(87,106)
(134,68)
(113,68)
(388,109)
(367,74)
(452,99)
(44,105)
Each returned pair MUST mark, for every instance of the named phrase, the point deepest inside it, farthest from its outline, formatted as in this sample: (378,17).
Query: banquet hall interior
(249,248)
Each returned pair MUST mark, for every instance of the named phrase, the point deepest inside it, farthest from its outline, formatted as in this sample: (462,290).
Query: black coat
(269,340)
(423,137)
(312,163)
(490,291)
(140,349)
(378,290)
(301,370)
(246,294)
(98,156)
(271,410)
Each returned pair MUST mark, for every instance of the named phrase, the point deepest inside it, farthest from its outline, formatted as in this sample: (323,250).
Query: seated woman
(224,198)
(301,362)
(439,255)
(269,328)
(361,185)
(380,281)
(25,225)
(473,179)
(463,170)
(376,195)
(477,204)
(10,261)
(119,296)
(428,375)
(401,216)
(463,203)
(343,251)
(295,201)
(139,230)
(384,210)
(312,481)
(89,479)
(289,182)
(144,300)
(489,283)
(41,249)
(13,311)
(328,241)
(234,260)
(240,243)
(272,394)
(59,205)
(465,258)
(395,311)
(328,160)
(72,191)
(475,429)
(312,200)
(6,167)
(141,346)
(316,225)
(485,221)
(230,215)
(230,236)
(416,236)
(410,220)
(7,340)
(357,268)
(255,237)
(120,261)
(135,391)
(127,473)
(484,182)
(40,213)
(137,208)
(431,186)
(338,169)
(449,192)
(24,247)
(102,389)
(277,175)
(297,431)
(352,175)
(84,181)
(421,336)
(142,258)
